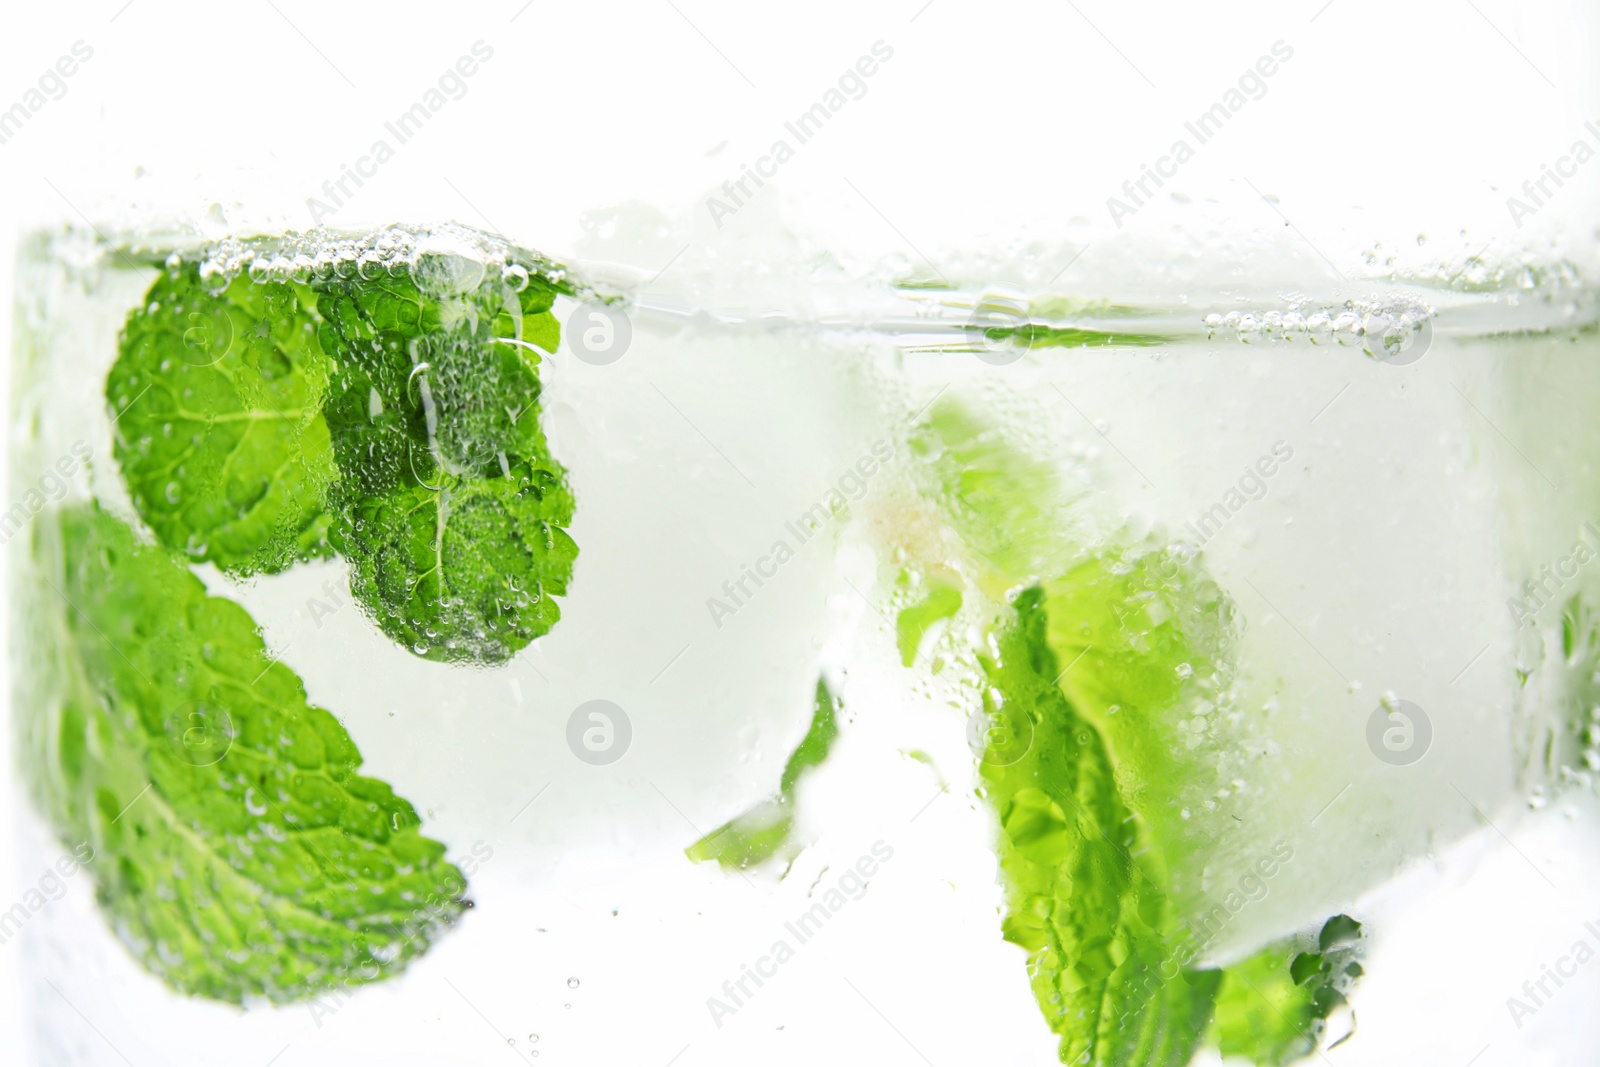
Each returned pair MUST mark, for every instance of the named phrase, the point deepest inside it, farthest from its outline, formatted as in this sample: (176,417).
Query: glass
(1313,556)
(1089,537)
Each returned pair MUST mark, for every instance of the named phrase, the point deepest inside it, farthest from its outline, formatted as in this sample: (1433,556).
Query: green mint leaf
(761,832)
(239,855)
(1042,335)
(1150,639)
(449,508)
(217,398)
(1273,1008)
(748,839)
(1008,505)
(1145,636)
(1085,882)
(467,571)
(942,601)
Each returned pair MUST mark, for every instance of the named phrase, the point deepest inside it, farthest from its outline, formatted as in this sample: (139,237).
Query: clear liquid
(1377,560)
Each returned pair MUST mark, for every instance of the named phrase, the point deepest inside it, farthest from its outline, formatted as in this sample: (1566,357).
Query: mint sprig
(756,835)
(217,397)
(239,854)
(1273,1008)
(1085,883)
(391,414)
(449,508)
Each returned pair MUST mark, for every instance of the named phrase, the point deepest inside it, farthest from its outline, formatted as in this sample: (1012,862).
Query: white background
(994,135)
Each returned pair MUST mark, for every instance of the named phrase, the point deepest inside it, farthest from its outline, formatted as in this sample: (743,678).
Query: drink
(1173,637)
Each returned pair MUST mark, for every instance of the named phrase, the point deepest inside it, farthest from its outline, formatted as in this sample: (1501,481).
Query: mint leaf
(1008,505)
(1043,335)
(1085,882)
(449,508)
(911,624)
(238,853)
(444,361)
(218,431)
(759,833)
(1104,703)
(464,572)
(1273,1008)
(1146,638)
(1150,639)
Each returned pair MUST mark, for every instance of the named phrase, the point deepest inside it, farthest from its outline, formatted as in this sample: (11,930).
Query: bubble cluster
(1393,333)
(437,256)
